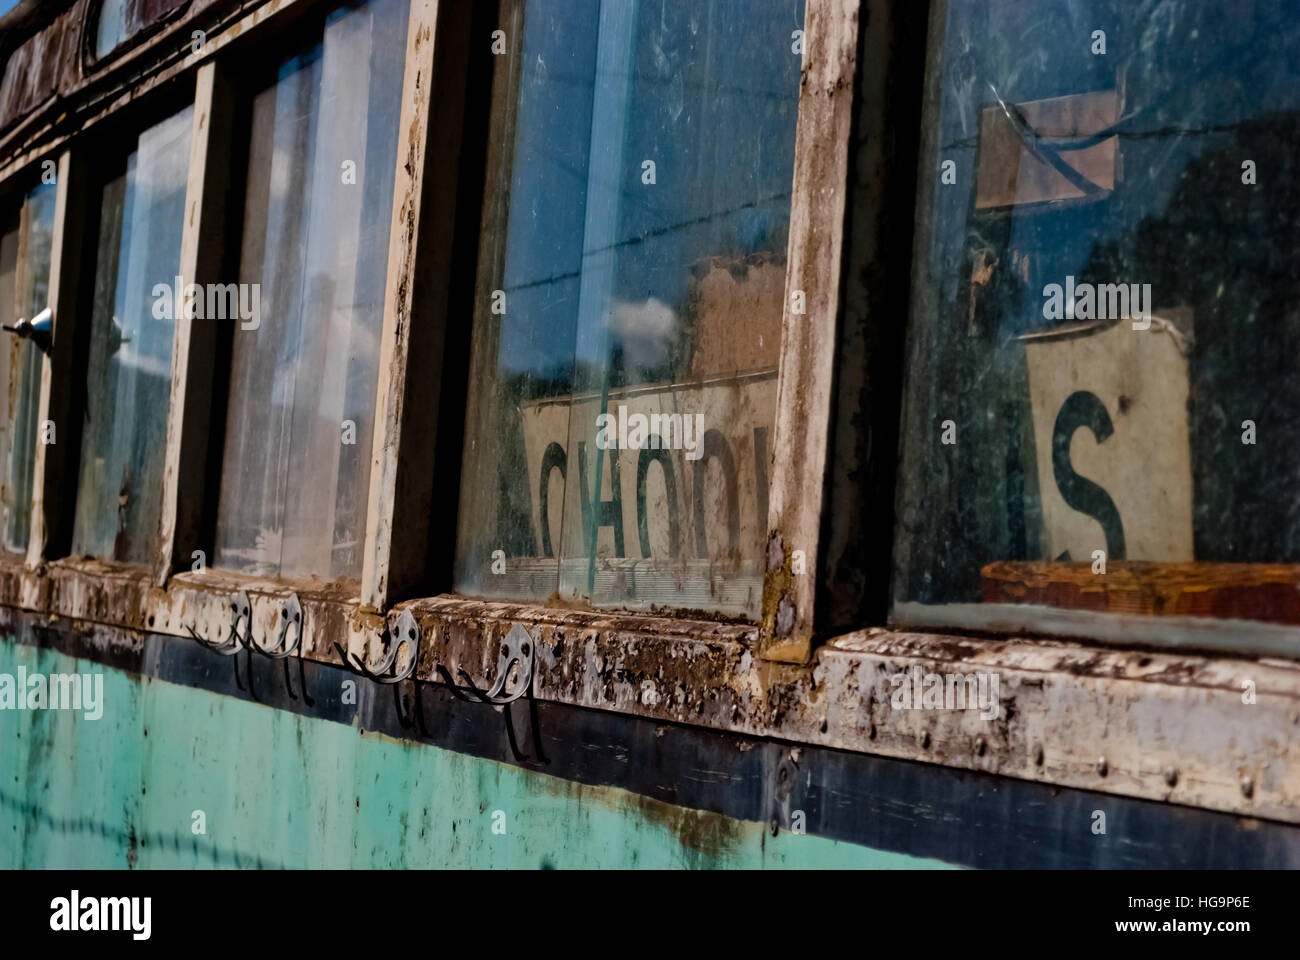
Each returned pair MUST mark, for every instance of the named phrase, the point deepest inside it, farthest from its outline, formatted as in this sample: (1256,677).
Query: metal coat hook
(291,622)
(520,648)
(404,632)
(240,610)
(290,618)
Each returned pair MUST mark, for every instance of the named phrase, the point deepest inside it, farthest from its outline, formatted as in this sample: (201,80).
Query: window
(128,377)
(317,214)
(112,27)
(24,293)
(1102,400)
(122,20)
(630,294)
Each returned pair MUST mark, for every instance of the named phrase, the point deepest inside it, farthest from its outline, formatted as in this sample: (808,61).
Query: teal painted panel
(277,789)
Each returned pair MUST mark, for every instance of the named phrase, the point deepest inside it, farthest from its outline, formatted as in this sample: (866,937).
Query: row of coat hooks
(516,657)
(237,641)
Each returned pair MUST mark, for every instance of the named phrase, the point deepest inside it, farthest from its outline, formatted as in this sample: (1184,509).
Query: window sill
(1158,726)
(1153,725)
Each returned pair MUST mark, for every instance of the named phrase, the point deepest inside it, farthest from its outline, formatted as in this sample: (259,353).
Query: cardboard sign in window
(1109,408)
(1043,151)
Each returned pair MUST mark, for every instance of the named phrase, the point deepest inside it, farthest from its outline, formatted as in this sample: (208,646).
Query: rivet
(1247,787)
(1171,777)
(980,746)
(1102,767)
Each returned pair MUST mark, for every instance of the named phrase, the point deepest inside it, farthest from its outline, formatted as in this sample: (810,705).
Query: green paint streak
(277,789)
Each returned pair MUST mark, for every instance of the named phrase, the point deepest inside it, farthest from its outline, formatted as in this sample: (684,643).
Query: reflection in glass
(1106,303)
(632,266)
(121,20)
(111,28)
(24,292)
(128,379)
(317,215)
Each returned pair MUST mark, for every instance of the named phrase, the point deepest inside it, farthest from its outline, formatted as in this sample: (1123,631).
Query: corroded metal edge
(711,778)
(1217,732)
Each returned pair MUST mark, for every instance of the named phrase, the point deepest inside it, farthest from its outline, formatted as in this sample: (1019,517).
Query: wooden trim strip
(194,345)
(53,485)
(801,435)
(416,302)
(1266,592)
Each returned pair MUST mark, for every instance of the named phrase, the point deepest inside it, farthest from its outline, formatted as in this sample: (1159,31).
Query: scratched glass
(1102,402)
(128,377)
(24,292)
(630,292)
(322,164)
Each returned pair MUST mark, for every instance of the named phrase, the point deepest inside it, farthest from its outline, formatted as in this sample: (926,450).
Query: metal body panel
(332,785)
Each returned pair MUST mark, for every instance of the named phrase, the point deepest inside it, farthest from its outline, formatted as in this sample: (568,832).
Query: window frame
(409,430)
(490,227)
(14,196)
(92,62)
(1113,627)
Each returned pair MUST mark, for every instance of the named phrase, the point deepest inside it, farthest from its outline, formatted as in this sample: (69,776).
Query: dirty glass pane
(120,20)
(322,164)
(630,292)
(24,292)
(1102,402)
(112,26)
(128,379)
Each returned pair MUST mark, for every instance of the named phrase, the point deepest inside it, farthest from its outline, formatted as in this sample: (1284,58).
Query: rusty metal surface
(1114,721)
(715,791)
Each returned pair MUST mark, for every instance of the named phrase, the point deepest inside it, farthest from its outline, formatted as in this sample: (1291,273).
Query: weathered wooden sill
(1217,732)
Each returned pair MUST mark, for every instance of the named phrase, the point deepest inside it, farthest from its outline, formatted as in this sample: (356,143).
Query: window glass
(128,377)
(120,20)
(112,27)
(317,216)
(628,318)
(1102,400)
(24,293)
